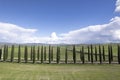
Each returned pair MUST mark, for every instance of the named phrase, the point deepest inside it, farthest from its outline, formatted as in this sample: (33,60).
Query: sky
(60,21)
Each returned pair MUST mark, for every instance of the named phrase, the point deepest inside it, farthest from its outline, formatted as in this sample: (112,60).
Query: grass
(15,71)
(29,71)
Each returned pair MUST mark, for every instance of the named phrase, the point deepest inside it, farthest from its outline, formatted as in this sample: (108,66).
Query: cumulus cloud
(54,36)
(109,32)
(13,33)
(95,34)
(16,34)
(117,6)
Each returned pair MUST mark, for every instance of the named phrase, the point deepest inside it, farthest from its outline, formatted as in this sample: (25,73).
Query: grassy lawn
(15,71)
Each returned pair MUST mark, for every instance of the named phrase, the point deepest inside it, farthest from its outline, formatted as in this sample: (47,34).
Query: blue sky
(57,16)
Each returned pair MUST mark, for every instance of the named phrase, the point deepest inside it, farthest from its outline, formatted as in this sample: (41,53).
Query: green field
(16,71)
(45,71)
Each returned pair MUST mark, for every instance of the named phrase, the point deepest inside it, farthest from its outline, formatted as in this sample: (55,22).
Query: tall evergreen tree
(31,53)
(49,54)
(91,53)
(103,53)
(0,54)
(26,54)
(19,54)
(6,52)
(74,54)
(34,56)
(118,54)
(82,56)
(100,55)
(45,53)
(109,54)
(66,56)
(41,54)
(111,51)
(12,53)
(38,53)
(96,53)
(88,53)
(4,55)
(58,55)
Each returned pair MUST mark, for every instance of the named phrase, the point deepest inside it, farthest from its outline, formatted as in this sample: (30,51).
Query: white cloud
(95,34)
(13,33)
(54,36)
(91,34)
(117,6)
(17,34)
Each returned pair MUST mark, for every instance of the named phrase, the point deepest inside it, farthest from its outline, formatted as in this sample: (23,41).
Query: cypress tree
(38,53)
(74,54)
(49,54)
(41,54)
(88,53)
(6,52)
(19,54)
(58,55)
(0,54)
(100,56)
(12,53)
(4,55)
(91,53)
(44,53)
(66,56)
(109,54)
(82,55)
(26,54)
(95,53)
(111,51)
(103,53)
(34,54)
(52,53)
(31,55)
(118,54)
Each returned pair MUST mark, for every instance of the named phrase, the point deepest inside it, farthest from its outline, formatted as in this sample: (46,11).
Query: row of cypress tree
(35,54)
